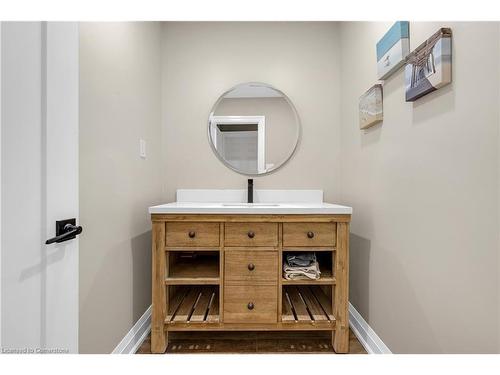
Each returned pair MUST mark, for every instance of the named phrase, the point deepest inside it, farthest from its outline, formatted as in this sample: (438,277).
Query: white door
(39,186)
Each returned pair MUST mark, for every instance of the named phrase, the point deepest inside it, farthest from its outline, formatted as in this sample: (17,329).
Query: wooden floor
(252,342)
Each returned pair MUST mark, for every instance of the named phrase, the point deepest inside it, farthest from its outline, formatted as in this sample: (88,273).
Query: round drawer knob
(251,266)
(310,234)
(250,306)
(192,234)
(251,234)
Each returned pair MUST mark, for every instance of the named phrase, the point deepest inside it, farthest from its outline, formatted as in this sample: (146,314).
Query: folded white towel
(301,273)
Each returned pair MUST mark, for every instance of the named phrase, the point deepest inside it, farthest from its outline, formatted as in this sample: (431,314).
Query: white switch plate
(142,148)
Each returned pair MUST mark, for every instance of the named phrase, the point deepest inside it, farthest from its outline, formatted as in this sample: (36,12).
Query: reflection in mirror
(253,128)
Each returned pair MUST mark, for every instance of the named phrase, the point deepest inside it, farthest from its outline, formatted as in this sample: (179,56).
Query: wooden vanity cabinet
(224,273)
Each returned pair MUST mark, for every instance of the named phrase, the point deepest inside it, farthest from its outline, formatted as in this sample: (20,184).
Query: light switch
(142,148)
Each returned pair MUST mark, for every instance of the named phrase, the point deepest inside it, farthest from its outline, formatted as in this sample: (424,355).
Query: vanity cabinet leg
(159,291)
(340,337)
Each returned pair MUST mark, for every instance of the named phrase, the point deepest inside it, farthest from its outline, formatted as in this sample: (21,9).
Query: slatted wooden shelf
(202,270)
(306,304)
(326,278)
(194,304)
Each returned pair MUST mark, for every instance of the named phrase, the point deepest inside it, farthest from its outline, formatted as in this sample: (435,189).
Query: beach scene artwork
(428,68)
(371,109)
(392,49)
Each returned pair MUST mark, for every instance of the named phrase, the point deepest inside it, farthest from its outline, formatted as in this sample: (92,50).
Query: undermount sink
(250,204)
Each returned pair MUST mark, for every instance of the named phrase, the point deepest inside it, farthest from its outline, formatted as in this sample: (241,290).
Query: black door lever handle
(65,230)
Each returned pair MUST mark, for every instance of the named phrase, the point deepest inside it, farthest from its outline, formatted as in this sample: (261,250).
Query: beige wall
(281,127)
(203,60)
(119,103)
(424,188)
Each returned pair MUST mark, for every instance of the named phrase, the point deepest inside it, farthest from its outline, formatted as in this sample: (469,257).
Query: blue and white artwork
(428,68)
(392,49)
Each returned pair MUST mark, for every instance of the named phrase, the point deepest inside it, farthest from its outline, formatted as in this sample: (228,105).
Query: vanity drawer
(251,265)
(250,303)
(192,234)
(251,234)
(309,234)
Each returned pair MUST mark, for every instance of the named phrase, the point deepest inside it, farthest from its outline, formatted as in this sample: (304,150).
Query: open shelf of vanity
(223,272)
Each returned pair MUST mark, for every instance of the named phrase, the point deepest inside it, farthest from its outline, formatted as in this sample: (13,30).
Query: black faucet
(250,191)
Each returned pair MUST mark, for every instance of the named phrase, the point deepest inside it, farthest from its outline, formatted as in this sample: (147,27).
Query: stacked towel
(301,266)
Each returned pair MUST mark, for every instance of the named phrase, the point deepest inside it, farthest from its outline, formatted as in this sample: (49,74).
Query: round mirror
(253,128)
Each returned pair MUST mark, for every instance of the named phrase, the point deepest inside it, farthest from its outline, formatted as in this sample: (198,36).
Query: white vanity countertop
(249,208)
(270,202)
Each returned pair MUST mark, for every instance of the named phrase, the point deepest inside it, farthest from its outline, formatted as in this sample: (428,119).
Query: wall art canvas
(371,109)
(428,68)
(392,49)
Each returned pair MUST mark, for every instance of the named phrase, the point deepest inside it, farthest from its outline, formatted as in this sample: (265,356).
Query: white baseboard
(365,334)
(136,336)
